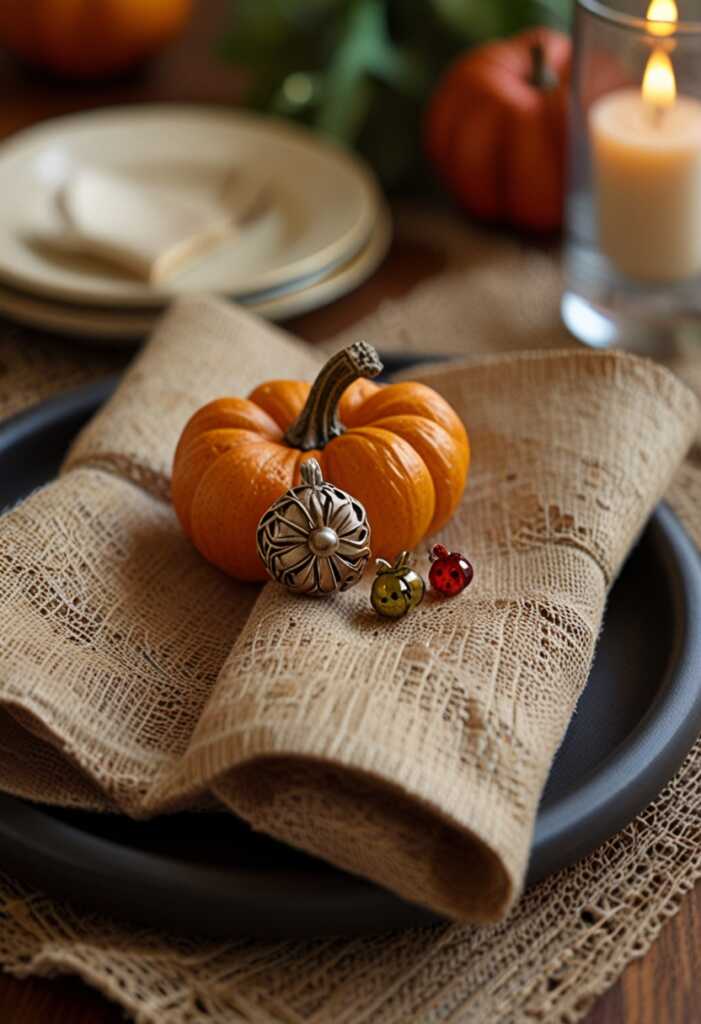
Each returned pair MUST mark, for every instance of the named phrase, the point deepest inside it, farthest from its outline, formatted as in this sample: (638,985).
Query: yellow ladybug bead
(397,588)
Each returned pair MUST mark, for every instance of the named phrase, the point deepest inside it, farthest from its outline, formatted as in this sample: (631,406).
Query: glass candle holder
(633,247)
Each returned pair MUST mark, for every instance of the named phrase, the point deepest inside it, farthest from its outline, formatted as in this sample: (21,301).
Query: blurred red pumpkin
(496,129)
(89,38)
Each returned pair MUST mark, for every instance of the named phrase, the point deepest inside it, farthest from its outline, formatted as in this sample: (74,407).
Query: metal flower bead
(315,539)
(450,571)
(396,588)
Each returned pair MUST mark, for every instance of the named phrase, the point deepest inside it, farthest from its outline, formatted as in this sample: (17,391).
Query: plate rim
(126,328)
(559,840)
(677,700)
(155,298)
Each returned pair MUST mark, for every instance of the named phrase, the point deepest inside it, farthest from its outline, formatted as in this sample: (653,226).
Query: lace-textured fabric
(552,507)
(415,755)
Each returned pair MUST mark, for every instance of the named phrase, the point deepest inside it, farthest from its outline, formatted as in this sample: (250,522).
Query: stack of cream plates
(320,229)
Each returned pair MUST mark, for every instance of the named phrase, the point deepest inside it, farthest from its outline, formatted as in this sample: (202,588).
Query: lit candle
(647,167)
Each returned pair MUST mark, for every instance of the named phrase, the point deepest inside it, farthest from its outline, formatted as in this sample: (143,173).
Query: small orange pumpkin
(496,129)
(400,449)
(87,38)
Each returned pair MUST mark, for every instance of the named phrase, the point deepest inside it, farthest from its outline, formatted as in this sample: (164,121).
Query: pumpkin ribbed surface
(400,449)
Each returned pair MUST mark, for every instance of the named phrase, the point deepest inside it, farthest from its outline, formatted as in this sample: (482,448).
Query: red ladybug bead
(450,572)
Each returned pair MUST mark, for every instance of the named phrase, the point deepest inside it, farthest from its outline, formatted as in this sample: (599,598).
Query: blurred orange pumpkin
(496,129)
(88,38)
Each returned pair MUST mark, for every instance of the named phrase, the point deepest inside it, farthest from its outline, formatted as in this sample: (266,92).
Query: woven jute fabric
(34,367)
(571,452)
(413,753)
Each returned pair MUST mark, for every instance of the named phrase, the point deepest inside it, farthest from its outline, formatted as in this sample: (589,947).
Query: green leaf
(264,31)
(362,70)
(478,21)
(475,20)
(390,139)
(556,12)
(365,52)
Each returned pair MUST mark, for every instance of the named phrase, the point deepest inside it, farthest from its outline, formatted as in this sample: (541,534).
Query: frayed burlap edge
(564,944)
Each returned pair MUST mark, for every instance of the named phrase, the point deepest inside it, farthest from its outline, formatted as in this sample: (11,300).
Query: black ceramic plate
(210,874)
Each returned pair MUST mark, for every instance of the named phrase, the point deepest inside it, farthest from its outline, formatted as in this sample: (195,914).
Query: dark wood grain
(58,1001)
(662,988)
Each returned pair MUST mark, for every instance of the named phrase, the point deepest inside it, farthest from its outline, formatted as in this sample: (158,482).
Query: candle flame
(659,84)
(662,16)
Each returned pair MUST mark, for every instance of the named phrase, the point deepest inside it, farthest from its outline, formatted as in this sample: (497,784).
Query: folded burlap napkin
(135,676)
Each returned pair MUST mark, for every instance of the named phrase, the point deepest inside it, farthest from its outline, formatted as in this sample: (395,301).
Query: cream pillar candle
(647,170)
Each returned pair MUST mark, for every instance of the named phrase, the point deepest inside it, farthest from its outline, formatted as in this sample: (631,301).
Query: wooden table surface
(662,988)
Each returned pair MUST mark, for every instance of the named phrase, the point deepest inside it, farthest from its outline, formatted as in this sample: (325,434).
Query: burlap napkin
(135,676)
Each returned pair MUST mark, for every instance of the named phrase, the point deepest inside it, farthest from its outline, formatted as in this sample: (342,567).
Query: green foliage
(480,20)
(360,71)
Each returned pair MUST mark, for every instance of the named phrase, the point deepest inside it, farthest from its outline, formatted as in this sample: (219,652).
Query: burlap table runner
(528,966)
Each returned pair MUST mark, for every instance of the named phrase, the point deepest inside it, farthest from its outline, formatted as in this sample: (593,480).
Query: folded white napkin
(150,230)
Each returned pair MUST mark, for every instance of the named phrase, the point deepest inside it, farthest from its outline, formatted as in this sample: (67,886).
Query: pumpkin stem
(318,423)
(542,75)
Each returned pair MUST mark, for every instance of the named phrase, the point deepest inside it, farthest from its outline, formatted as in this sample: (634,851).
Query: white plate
(127,327)
(322,202)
